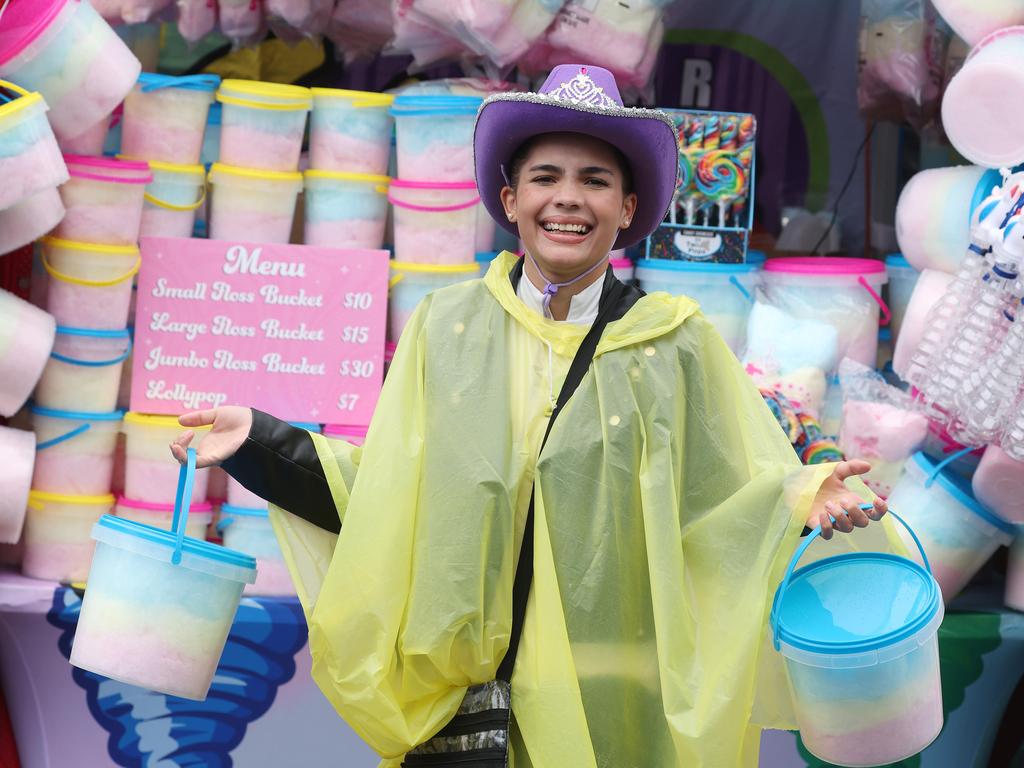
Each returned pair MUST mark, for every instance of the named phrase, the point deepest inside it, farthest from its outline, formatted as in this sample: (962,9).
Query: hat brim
(647,139)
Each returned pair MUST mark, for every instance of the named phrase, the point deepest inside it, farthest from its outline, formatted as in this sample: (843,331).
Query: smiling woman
(632,546)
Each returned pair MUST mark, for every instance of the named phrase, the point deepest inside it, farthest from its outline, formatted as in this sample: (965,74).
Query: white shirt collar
(582,307)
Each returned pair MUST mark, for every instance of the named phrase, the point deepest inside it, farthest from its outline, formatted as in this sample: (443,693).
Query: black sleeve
(279,463)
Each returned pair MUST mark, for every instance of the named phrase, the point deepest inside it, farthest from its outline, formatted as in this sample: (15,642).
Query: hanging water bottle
(982,328)
(1013,437)
(988,394)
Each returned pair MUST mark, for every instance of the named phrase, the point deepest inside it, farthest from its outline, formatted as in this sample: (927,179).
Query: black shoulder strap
(524,566)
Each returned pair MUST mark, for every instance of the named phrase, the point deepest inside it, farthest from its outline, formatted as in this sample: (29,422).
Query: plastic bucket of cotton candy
(252,205)
(26,338)
(165,117)
(435,136)
(150,474)
(17,458)
(345,210)
(103,199)
(435,222)
(862,663)
(410,283)
(84,369)
(248,530)
(958,532)
(262,124)
(350,131)
(159,604)
(66,51)
(89,286)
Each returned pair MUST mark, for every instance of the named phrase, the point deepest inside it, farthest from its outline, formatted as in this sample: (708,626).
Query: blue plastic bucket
(84,369)
(248,530)
(858,633)
(435,137)
(724,291)
(902,280)
(159,605)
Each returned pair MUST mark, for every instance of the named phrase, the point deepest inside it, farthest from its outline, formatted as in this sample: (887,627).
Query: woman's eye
(543,179)
(597,182)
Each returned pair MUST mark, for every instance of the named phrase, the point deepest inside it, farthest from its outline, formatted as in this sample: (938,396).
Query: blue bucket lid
(436,104)
(151,81)
(66,330)
(898,261)
(486,257)
(166,539)
(885,334)
(229,510)
(960,489)
(54,413)
(818,615)
(671,265)
(306,425)
(216,114)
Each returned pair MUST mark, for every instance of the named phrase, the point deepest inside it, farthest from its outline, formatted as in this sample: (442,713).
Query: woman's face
(569,202)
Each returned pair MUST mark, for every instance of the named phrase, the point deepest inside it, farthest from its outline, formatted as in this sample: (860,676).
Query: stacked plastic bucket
(439,222)
(255,186)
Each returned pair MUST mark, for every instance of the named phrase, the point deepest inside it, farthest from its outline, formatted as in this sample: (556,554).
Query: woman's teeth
(579,229)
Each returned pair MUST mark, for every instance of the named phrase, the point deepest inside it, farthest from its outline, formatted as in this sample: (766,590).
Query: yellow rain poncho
(668,503)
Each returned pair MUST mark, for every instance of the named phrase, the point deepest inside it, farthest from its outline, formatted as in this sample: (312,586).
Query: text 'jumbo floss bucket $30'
(89,286)
(159,605)
(67,52)
(262,124)
(165,117)
(862,663)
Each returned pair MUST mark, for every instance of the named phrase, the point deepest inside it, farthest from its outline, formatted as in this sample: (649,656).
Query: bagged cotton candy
(293,18)
(241,20)
(141,11)
(425,43)
(196,19)
(879,425)
(974,19)
(17,457)
(360,28)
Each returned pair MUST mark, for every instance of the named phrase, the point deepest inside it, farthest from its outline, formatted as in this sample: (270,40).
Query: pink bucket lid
(389,350)
(149,506)
(433,184)
(620,263)
(824,265)
(22,22)
(136,171)
(341,429)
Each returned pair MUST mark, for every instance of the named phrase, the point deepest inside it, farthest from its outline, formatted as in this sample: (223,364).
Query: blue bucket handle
(207,83)
(93,363)
(182,503)
(61,438)
(774,617)
(739,287)
(223,523)
(934,474)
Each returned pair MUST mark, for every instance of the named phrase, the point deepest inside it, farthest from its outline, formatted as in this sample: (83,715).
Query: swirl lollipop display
(721,180)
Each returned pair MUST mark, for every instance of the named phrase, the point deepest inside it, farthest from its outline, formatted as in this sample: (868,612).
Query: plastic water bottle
(1013,437)
(944,317)
(989,392)
(982,327)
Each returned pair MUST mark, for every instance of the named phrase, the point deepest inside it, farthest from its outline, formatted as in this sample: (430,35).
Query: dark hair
(515,165)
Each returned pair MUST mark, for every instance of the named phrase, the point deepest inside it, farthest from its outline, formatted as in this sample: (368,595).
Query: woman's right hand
(230,428)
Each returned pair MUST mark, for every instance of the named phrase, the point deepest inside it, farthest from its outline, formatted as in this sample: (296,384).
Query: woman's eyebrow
(590,170)
(547,167)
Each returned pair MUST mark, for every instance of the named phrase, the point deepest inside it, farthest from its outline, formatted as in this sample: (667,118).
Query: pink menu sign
(293,330)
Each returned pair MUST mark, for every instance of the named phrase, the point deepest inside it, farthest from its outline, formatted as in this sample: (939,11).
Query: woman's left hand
(835,499)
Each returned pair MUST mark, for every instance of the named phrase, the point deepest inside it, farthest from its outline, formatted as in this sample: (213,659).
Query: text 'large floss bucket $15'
(67,52)
(859,635)
(159,605)
(435,222)
(90,286)
(843,292)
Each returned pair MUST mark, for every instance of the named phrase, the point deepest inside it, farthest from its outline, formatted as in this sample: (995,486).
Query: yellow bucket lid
(360,98)
(40,497)
(277,95)
(369,178)
(439,269)
(253,173)
(16,105)
(74,245)
(157,165)
(156,420)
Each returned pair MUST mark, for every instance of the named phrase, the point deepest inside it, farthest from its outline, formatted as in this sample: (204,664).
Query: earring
(511,217)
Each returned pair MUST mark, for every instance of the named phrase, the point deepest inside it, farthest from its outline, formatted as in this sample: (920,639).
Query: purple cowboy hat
(579,98)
